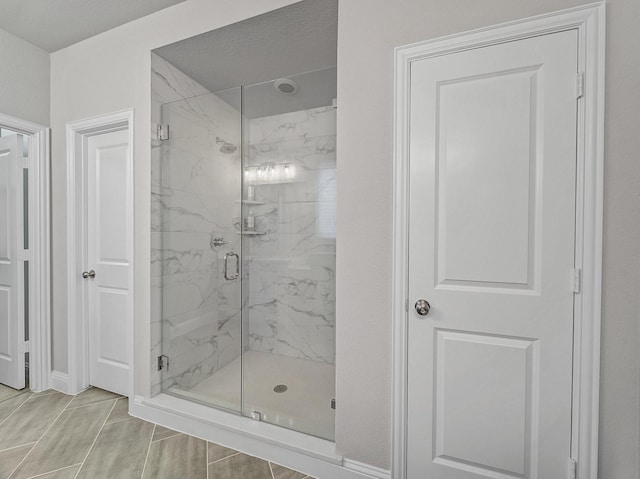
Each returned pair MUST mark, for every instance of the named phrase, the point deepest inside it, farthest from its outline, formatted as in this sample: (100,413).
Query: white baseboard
(367,469)
(60,381)
(309,455)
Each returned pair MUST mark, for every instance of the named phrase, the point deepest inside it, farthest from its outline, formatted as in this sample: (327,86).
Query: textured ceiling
(55,24)
(298,38)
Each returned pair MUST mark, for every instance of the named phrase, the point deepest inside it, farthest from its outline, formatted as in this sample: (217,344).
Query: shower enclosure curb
(299,451)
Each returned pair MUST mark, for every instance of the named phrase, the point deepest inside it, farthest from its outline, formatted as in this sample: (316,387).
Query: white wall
(111,72)
(368,32)
(24,80)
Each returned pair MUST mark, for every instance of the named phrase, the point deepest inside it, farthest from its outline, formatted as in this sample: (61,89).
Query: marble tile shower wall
(194,192)
(291,268)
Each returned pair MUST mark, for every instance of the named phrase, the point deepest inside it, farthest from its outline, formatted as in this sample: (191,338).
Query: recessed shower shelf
(251,202)
(251,233)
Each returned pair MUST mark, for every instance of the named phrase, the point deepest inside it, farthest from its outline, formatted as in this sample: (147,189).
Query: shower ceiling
(298,38)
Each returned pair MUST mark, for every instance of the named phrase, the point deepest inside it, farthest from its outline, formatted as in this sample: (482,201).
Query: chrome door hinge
(577,280)
(573,468)
(25,346)
(163,363)
(406,305)
(580,85)
(162,132)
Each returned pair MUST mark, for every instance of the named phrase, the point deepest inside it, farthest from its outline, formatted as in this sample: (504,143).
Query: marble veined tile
(170,84)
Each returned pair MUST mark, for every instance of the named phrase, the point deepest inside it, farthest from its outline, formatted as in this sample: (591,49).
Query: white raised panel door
(491,247)
(12,363)
(109,254)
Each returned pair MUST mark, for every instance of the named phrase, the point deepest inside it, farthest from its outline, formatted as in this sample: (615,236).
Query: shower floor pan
(305,406)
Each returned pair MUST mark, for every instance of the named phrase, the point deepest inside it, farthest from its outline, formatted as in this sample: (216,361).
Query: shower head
(226,148)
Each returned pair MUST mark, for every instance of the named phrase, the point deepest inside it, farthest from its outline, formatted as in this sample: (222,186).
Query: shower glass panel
(248,241)
(200,213)
(289,253)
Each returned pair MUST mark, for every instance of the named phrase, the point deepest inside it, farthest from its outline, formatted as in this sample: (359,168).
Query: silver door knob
(88,274)
(422,307)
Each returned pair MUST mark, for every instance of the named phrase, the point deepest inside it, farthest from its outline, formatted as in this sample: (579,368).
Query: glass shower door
(289,253)
(200,211)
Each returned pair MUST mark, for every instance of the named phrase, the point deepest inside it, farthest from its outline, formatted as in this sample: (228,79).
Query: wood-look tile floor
(51,435)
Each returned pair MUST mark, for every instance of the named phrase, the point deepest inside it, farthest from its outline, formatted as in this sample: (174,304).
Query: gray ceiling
(295,39)
(55,24)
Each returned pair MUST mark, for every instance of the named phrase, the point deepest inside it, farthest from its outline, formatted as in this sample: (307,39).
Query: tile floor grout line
(271,470)
(38,441)
(206,445)
(90,404)
(14,411)
(56,470)
(169,437)
(16,447)
(146,458)
(97,435)
(122,419)
(223,458)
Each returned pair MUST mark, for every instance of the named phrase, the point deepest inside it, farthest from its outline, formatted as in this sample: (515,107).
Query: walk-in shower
(244,241)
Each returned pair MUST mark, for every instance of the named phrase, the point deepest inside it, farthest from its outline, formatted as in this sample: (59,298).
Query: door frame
(77,332)
(589,20)
(38,254)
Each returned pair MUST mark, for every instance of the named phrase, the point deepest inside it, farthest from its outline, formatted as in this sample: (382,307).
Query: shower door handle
(226,266)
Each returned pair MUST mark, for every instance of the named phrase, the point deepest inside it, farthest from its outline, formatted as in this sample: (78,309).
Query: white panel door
(109,254)
(12,361)
(491,248)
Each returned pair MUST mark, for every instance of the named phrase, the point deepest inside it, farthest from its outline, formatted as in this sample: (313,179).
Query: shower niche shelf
(251,233)
(251,202)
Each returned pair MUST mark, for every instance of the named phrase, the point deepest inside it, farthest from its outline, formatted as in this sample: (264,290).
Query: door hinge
(162,132)
(577,280)
(333,403)
(580,85)
(406,305)
(573,468)
(163,363)
(25,346)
